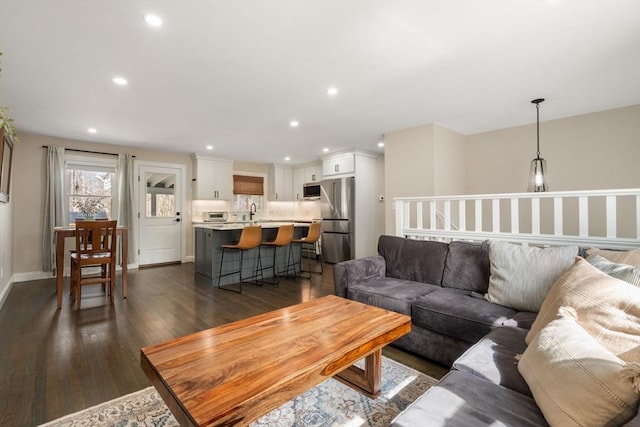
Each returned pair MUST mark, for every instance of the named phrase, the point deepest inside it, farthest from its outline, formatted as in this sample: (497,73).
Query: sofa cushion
(521,276)
(456,313)
(494,358)
(522,319)
(575,380)
(465,400)
(389,293)
(628,273)
(631,257)
(417,260)
(608,308)
(467,266)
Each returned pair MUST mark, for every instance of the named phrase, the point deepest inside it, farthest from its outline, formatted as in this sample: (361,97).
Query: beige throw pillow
(521,276)
(623,257)
(575,380)
(608,308)
(628,273)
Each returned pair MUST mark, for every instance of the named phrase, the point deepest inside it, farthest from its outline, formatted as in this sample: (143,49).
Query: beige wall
(6,238)
(427,160)
(28,193)
(587,152)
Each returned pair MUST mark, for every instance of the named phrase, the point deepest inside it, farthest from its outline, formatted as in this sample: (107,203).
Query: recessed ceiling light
(286,159)
(325,150)
(294,124)
(380,144)
(120,81)
(332,91)
(209,147)
(92,130)
(153,20)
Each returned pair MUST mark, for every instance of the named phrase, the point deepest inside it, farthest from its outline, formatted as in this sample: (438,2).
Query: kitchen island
(209,239)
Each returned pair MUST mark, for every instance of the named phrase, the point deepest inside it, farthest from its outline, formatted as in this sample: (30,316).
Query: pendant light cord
(537,102)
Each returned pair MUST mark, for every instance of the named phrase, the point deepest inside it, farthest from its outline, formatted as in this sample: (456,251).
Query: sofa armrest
(350,272)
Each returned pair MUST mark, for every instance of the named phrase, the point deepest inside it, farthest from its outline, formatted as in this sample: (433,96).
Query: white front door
(160,214)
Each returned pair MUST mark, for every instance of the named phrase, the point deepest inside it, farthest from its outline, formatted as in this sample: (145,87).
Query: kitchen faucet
(252,211)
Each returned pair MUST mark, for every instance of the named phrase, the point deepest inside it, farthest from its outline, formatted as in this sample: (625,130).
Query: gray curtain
(54,206)
(126,205)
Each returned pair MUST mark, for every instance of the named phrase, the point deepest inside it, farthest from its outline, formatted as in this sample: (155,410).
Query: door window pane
(160,195)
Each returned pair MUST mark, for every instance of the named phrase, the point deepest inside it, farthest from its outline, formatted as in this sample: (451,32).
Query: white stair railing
(602,218)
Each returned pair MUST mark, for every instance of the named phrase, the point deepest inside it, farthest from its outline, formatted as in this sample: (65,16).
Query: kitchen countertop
(241,225)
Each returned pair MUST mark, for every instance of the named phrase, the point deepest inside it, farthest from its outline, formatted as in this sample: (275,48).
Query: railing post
(535,216)
(478,209)
(462,215)
(515,216)
(432,215)
(447,215)
(495,213)
(557,216)
(610,216)
(583,216)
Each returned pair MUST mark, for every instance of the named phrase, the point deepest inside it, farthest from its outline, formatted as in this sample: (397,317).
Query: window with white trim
(91,186)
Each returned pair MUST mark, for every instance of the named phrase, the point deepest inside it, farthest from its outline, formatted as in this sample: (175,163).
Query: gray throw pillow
(628,273)
(521,276)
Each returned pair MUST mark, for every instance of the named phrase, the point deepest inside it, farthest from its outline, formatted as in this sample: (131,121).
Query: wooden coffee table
(235,373)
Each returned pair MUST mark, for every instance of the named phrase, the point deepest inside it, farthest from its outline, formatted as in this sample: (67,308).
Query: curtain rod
(87,151)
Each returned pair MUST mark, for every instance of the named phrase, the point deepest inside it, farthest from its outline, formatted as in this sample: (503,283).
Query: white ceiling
(233,74)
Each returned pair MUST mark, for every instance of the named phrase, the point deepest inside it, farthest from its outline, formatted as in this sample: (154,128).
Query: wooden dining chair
(95,247)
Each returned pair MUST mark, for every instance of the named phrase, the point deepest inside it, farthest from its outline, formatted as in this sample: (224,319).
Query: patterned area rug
(328,404)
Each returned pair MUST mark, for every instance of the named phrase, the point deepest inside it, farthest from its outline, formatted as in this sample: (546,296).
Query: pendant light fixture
(538,175)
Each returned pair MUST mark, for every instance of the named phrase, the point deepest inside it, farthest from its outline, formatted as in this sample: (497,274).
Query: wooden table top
(234,373)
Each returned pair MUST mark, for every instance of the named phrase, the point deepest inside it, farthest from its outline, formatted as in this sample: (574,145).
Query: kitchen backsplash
(304,211)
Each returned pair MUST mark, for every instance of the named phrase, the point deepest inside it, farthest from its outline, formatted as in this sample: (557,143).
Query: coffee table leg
(367,380)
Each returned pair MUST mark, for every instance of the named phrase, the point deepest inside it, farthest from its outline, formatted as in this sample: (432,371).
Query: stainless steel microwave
(311,191)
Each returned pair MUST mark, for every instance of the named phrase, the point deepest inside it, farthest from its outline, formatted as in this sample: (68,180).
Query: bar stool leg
(220,273)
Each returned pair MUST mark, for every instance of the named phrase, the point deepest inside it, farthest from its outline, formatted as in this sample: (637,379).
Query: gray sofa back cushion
(416,260)
(467,266)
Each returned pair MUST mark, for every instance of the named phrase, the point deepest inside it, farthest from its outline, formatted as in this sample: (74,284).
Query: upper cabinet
(212,178)
(338,165)
(305,175)
(312,174)
(281,183)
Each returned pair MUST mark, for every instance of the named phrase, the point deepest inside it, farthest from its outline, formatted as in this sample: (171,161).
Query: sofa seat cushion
(456,313)
(390,293)
(462,399)
(522,319)
(494,358)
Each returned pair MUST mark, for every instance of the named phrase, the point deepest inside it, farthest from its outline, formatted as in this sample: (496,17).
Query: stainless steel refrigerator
(337,208)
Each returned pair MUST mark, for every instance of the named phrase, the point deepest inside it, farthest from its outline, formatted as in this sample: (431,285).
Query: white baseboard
(189,258)
(32,275)
(5,293)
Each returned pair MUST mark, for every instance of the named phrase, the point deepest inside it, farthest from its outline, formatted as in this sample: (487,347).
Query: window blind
(251,185)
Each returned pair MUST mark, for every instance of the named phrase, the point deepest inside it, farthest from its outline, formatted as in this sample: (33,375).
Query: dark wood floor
(55,362)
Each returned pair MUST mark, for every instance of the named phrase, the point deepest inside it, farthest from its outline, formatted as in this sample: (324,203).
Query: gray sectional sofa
(441,286)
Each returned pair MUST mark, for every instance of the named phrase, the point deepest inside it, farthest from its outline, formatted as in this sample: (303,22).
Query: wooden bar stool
(250,238)
(283,239)
(308,244)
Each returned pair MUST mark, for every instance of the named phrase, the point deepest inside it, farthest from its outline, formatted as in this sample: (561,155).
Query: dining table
(60,235)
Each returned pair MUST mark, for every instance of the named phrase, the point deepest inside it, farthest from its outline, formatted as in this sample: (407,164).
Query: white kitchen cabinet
(298,183)
(281,184)
(212,178)
(338,165)
(304,175)
(312,174)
